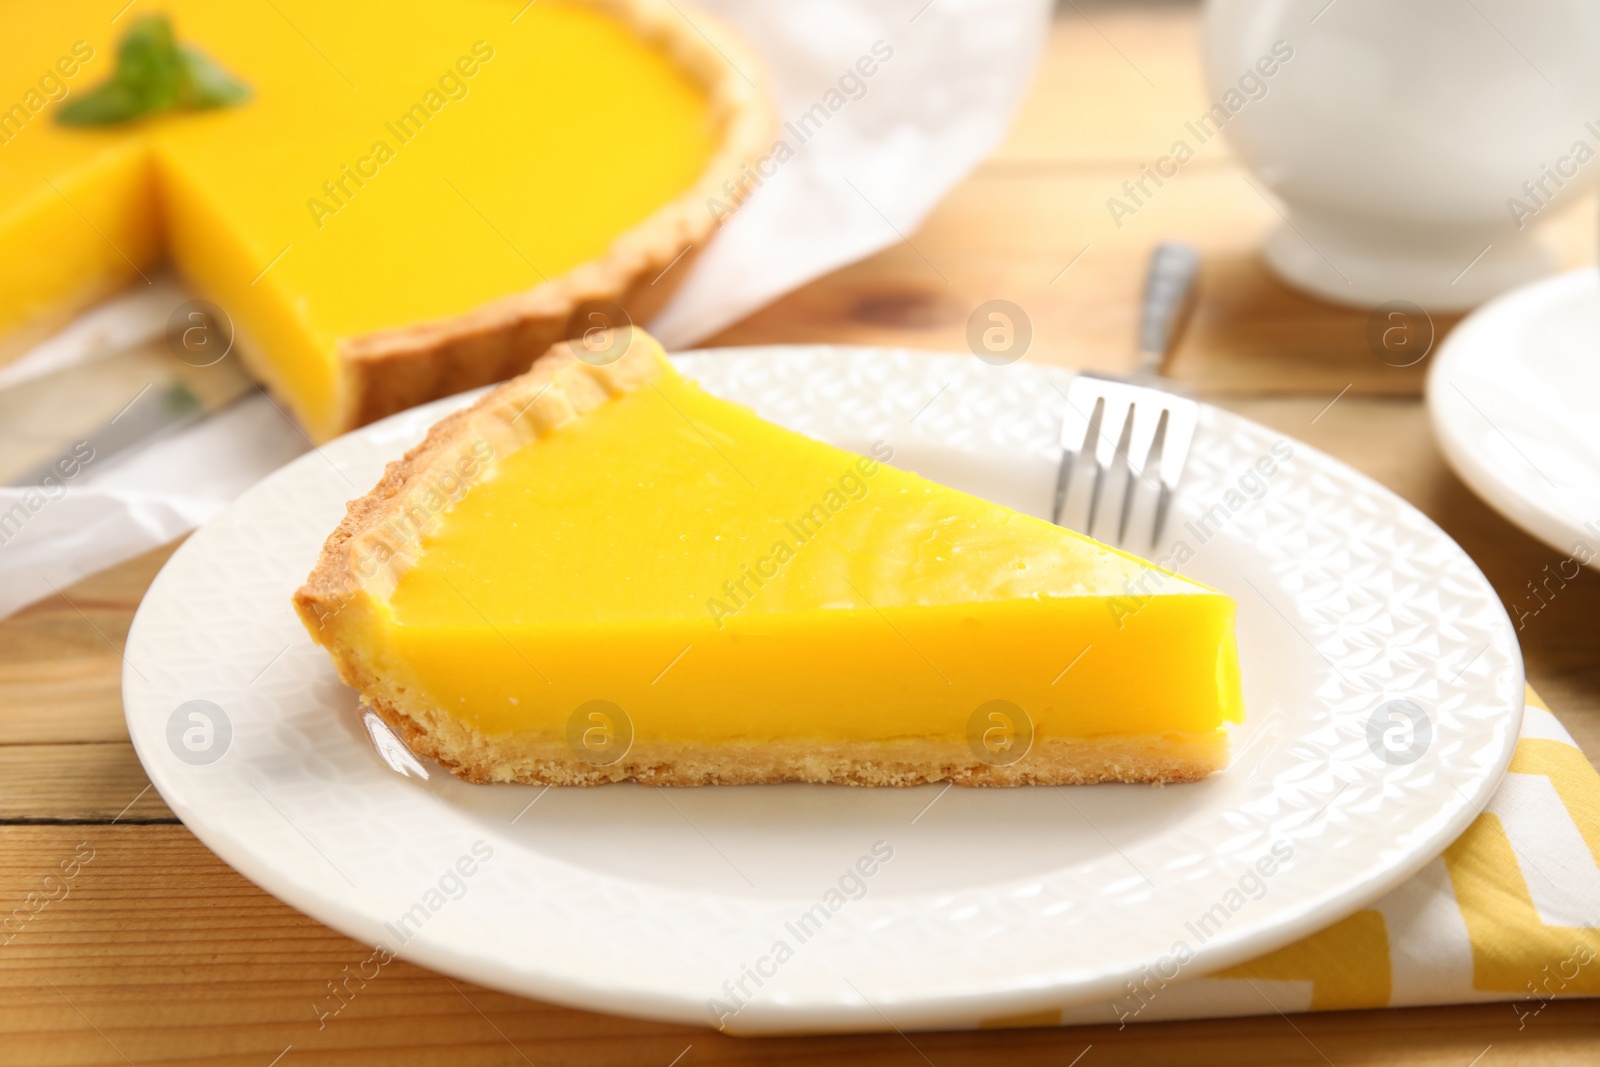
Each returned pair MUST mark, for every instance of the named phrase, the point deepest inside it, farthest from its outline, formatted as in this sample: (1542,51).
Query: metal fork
(1128,422)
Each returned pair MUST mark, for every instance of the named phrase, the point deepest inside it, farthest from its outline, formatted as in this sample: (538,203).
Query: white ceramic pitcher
(1417,145)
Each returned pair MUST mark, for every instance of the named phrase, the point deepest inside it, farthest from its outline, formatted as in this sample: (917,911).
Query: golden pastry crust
(394,369)
(366,554)
(1151,759)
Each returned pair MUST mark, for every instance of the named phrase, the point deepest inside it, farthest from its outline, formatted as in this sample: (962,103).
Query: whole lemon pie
(599,571)
(391,201)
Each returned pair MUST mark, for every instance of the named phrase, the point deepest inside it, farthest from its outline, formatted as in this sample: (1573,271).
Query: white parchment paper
(887,104)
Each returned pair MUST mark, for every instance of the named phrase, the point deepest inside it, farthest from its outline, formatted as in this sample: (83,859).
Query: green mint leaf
(148,64)
(104,105)
(205,84)
(154,73)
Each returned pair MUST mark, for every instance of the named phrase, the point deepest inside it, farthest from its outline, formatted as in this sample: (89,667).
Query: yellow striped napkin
(1509,912)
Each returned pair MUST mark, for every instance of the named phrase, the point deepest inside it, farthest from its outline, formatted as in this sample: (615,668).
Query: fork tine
(1074,436)
(1144,420)
(1069,459)
(1091,445)
(1157,458)
(1130,484)
(1147,416)
(1181,421)
(1178,436)
(1110,440)
(1150,429)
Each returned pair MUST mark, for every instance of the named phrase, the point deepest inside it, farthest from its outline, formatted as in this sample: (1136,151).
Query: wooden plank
(86,782)
(1018,236)
(1116,82)
(61,657)
(155,952)
(1252,335)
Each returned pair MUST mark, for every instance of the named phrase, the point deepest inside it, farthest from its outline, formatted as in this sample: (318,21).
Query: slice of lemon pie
(598,571)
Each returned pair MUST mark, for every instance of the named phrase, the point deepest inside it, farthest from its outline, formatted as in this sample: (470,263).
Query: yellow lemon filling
(724,580)
(397,163)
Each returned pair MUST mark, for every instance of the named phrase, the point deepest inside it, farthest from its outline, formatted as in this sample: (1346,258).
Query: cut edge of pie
(393,369)
(361,562)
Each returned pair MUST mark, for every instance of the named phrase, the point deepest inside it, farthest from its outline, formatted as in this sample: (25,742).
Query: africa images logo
(199,732)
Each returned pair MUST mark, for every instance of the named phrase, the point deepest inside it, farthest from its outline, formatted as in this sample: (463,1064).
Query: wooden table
(162,954)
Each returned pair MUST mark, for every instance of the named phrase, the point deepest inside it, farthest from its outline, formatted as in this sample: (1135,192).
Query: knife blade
(111,405)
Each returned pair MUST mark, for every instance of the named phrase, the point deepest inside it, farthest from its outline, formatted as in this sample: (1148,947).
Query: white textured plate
(1515,398)
(990,902)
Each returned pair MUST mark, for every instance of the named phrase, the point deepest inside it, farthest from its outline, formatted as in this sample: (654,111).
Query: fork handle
(1168,296)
